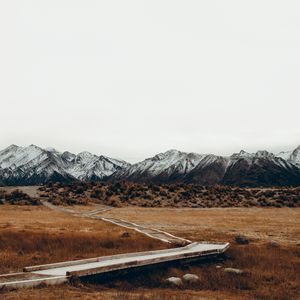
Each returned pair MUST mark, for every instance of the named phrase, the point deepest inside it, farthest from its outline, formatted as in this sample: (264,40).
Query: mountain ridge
(35,165)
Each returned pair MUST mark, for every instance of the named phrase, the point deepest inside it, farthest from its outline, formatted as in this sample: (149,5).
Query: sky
(130,79)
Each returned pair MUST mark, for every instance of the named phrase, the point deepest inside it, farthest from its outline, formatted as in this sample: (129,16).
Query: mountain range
(34,165)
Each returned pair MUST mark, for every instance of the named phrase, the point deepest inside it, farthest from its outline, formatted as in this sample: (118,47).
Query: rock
(242,240)
(273,245)
(191,278)
(233,271)
(218,267)
(125,234)
(175,281)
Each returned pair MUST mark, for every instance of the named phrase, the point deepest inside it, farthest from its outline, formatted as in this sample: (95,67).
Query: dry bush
(17,197)
(173,195)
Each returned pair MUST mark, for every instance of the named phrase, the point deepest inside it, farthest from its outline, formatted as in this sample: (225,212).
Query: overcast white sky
(130,79)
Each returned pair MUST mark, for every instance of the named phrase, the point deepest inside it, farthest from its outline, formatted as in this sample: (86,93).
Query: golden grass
(102,293)
(32,235)
(271,270)
(219,224)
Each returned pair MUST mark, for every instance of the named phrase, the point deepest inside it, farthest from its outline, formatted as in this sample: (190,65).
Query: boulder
(191,278)
(125,234)
(242,240)
(233,271)
(174,281)
(273,245)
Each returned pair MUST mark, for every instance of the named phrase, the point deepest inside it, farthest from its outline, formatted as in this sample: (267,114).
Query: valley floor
(31,235)
(280,225)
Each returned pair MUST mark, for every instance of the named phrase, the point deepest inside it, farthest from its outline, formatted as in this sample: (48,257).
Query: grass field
(219,224)
(271,261)
(35,235)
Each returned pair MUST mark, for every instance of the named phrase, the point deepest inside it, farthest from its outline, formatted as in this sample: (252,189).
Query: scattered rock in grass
(42,285)
(75,281)
(125,234)
(233,271)
(191,278)
(174,281)
(273,245)
(242,240)
(6,288)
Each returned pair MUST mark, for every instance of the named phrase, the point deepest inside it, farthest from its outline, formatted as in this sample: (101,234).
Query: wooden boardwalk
(58,273)
(53,274)
(151,232)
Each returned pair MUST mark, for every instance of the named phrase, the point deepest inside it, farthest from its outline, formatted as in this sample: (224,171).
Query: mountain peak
(264,153)
(85,154)
(172,152)
(241,154)
(32,146)
(297,149)
(244,153)
(51,149)
(12,147)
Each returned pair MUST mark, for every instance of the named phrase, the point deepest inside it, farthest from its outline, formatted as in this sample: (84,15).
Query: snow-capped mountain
(252,169)
(162,167)
(291,156)
(34,165)
(260,168)
(87,166)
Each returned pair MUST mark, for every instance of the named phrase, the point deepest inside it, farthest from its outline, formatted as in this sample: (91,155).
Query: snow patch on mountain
(14,156)
(169,162)
(291,156)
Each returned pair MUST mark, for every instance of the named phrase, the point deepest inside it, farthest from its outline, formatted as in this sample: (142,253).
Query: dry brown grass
(102,293)
(219,224)
(271,270)
(269,273)
(36,235)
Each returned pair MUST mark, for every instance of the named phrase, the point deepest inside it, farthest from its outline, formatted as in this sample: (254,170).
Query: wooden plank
(141,263)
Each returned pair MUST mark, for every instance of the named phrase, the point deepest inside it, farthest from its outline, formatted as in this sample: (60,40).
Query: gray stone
(175,281)
(233,271)
(125,234)
(240,239)
(191,278)
(273,245)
